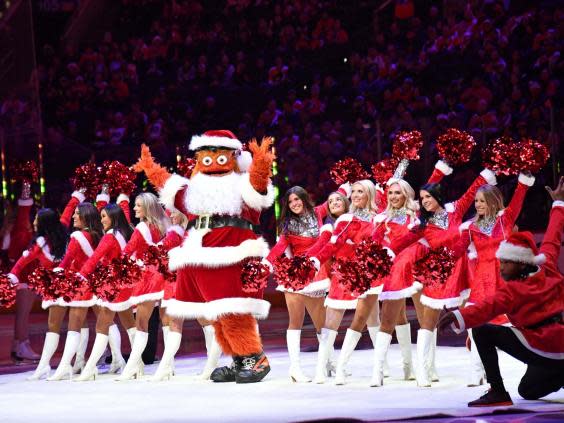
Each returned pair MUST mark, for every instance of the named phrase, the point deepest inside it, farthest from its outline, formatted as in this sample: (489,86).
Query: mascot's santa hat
(520,247)
(222,139)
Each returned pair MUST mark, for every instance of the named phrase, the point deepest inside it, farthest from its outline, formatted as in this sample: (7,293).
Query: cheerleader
(117,232)
(482,235)
(350,229)
(48,249)
(436,229)
(150,288)
(300,225)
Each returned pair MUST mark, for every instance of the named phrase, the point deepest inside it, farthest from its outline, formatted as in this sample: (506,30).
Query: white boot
(403,333)
(134,367)
(424,342)
(213,351)
(326,342)
(90,371)
(293,341)
(80,359)
(164,371)
(381,346)
(131,335)
(349,344)
(476,376)
(433,375)
(114,339)
(65,369)
(166,331)
(49,347)
(373,332)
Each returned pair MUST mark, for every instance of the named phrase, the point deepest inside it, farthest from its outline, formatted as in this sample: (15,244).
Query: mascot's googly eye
(221,160)
(207,161)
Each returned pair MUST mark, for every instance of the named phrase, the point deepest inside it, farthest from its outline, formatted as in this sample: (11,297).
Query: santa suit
(17,240)
(151,285)
(174,237)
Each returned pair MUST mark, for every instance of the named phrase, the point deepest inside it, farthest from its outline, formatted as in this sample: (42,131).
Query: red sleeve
(439,172)
(72,250)
(172,240)
(27,257)
(321,212)
(278,249)
(553,238)
(102,200)
(107,244)
(21,233)
(179,201)
(401,243)
(322,240)
(66,216)
(462,205)
(503,302)
(511,212)
(343,230)
(123,202)
(136,242)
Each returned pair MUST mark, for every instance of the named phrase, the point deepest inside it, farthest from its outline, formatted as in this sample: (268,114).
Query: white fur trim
(413,224)
(449,207)
(199,141)
(176,228)
(83,242)
(402,293)
(523,340)
(122,197)
(322,285)
(151,296)
(316,263)
(119,238)
(424,242)
(244,160)
(344,218)
(472,253)
(212,310)
(25,253)
(379,187)
(346,188)
(489,176)
(440,303)
(25,202)
(79,196)
(511,252)
(254,199)
(105,198)
(465,226)
(168,192)
(461,325)
(340,304)
(380,217)
(45,304)
(62,303)
(333,239)
(465,294)
(326,228)
(191,252)
(391,254)
(443,167)
(13,278)
(526,179)
(145,232)
(117,307)
(377,290)
(558,203)
(40,241)
(267,263)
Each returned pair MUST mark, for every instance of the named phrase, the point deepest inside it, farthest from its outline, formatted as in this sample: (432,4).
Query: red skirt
(150,287)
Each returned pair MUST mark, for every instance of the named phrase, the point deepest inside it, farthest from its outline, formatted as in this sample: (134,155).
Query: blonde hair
(154,212)
(411,206)
(494,200)
(370,190)
(182,216)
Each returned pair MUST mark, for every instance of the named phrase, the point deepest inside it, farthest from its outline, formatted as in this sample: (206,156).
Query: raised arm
(462,205)
(552,241)
(26,258)
(123,203)
(511,212)
(77,197)
(441,170)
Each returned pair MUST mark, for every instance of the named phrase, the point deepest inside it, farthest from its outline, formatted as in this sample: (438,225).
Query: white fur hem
(102,198)
(254,199)
(377,290)
(523,340)
(62,303)
(83,242)
(212,310)
(122,197)
(40,241)
(326,228)
(168,192)
(199,141)
(164,303)
(176,228)
(119,238)
(510,252)
(465,226)
(526,180)
(151,296)
(117,307)
(25,202)
(443,167)
(191,252)
(340,304)
(13,278)
(558,203)
(402,293)
(440,303)
(489,176)
(79,196)
(461,325)
(322,285)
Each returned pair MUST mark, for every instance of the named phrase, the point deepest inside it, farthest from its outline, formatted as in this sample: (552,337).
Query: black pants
(543,375)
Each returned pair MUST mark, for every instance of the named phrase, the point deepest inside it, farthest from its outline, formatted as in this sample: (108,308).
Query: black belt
(213,222)
(557,318)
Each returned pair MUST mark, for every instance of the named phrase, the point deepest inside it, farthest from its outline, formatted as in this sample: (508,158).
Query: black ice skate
(253,368)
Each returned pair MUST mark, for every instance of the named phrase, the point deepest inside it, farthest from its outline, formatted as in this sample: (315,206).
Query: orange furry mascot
(223,199)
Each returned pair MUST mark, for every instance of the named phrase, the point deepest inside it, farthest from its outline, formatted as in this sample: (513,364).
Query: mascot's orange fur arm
(156,174)
(260,170)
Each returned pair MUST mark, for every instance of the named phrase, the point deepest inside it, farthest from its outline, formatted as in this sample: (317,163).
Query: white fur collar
(215,195)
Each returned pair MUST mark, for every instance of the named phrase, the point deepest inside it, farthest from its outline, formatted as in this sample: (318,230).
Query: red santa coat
(111,246)
(18,239)
(174,237)
(486,279)
(151,285)
(209,261)
(401,283)
(531,301)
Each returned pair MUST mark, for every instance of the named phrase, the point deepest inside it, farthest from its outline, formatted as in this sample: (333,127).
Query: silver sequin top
(365,215)
(486,225)
(440,219)
(305,225)
(398,216)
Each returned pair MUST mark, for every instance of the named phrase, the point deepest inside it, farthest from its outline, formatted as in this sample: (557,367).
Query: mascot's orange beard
(218,162)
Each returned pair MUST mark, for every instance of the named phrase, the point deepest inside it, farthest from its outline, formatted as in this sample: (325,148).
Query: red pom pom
(348,170)
(455,146)
(254,275)
(107,281)
(407,145)
(350,275)
(51,284)
(7,292)
(87,176)
(500,155)
(374,258)
(532,156)
(119,178)
(186,166)
(294,273)
(24,171)
(157,256)
(435,268)
(384,170)
(40,280)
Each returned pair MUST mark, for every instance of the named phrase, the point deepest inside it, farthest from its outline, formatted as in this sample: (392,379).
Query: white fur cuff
(489,176)
(79,196)
(443,167)
(254,199)
(558,203)
(168,192)
(122,197)
(526,180)
(102,198)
